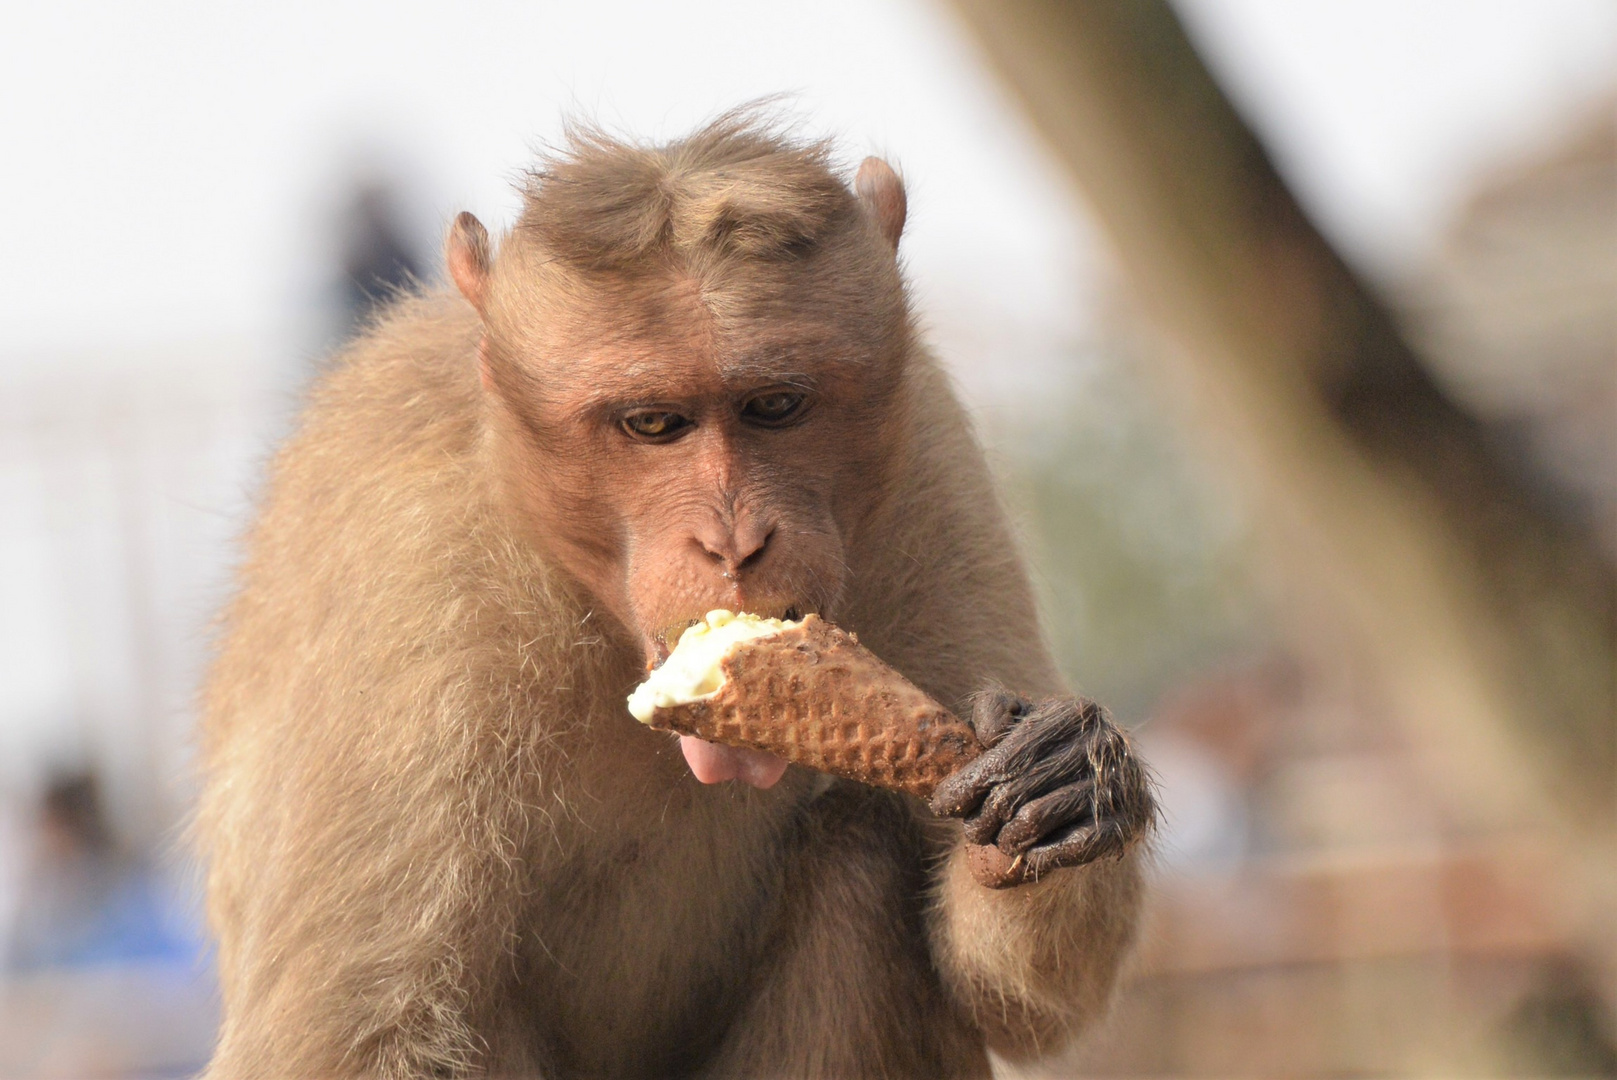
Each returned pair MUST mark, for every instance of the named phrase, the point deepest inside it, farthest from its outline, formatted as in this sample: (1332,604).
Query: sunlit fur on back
(437,844)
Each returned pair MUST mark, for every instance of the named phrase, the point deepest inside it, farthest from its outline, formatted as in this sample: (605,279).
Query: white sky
(167,164)
(171,165)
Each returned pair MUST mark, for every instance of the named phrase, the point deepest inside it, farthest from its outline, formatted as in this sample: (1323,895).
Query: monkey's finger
(994,869)
(963,792)
(997,808)
(1064,807)
(1042,751)
(1046,748)
(1076,846)
(994,712)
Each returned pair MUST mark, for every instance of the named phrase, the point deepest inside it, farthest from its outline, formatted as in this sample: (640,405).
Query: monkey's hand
(1058,785)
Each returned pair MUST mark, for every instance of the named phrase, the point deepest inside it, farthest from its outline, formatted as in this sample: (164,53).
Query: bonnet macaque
(439,845)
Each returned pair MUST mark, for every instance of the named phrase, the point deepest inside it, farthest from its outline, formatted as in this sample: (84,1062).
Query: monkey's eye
(774,408)
(654,425)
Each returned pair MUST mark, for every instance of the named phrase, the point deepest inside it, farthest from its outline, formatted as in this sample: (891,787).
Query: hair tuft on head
(740,185)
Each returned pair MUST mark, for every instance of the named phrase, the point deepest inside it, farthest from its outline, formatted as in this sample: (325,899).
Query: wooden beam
(1488,620)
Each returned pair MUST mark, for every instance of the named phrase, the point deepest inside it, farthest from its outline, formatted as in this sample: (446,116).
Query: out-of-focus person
(102,968)
(378,256)
(83,900)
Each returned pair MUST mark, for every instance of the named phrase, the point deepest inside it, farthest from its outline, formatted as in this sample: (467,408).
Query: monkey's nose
(735,550)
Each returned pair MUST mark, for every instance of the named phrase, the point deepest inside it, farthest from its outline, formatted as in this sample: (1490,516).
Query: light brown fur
(438,845)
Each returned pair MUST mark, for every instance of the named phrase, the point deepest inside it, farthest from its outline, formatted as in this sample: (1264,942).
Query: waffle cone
(813,695)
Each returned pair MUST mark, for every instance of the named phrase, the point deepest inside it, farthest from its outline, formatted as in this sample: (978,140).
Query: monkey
(437,845)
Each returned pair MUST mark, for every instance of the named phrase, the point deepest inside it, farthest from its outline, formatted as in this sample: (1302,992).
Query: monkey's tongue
(713,763)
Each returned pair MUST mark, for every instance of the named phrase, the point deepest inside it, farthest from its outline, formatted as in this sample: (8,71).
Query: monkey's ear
(882,192)
(467,252)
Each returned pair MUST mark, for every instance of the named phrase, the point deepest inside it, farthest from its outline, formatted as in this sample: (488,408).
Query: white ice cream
(692,671)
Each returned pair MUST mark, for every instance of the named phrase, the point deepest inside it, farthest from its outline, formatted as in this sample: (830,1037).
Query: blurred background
(1354,878)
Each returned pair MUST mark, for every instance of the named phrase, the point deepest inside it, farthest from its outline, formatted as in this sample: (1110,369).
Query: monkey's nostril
(756,553)
(794,613)
(733,551)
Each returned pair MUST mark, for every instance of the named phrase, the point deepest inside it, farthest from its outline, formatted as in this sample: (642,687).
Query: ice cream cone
(813,695)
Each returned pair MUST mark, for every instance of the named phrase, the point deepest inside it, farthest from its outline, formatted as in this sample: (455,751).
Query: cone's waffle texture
(814,696)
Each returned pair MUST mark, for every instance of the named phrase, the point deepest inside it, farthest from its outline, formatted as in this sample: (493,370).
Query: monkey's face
(680,447)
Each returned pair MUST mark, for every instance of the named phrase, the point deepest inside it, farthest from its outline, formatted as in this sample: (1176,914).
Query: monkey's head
(693,358)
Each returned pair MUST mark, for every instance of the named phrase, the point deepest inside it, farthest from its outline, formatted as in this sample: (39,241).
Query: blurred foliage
(1142,562)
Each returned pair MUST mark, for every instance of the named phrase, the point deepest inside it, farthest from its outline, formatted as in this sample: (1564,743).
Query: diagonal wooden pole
(1488,619)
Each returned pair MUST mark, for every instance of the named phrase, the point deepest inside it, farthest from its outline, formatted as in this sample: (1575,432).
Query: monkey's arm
(1035,964)
(1061,792)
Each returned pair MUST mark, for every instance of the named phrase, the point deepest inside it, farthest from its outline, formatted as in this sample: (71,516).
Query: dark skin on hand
(1057,785)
